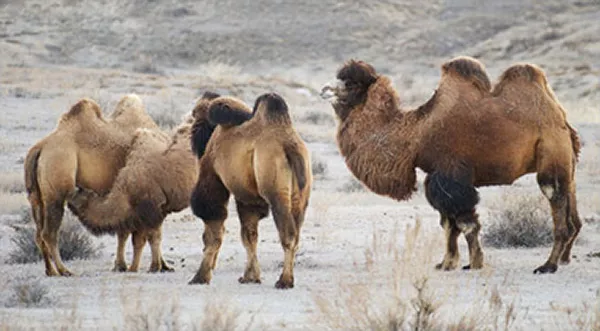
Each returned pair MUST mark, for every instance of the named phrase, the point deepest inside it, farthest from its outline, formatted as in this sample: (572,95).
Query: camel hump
(128,103)
(200,111)
(228,111)
(272,108)
(145,136)
(470,69)
(84,109)
(523,72)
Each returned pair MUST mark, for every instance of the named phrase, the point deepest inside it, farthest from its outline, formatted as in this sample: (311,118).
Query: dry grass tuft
(29,293)
(352,186)
(521,220)
(75,243)
(319,166)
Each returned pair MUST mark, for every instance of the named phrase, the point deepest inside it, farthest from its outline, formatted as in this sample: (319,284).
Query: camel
(157,179)
(257,157)
(84,150)
(465,136)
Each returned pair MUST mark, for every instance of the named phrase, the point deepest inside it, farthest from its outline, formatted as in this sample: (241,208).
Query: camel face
(331,90)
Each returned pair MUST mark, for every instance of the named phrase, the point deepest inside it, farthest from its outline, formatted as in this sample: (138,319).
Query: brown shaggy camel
(157,179)
(260,159)
(84,150)
(465,136)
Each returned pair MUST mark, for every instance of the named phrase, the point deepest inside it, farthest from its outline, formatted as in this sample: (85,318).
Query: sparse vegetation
(319,167)
(29,293)
(75,243)
(352,186)
(520,220)
(319,118)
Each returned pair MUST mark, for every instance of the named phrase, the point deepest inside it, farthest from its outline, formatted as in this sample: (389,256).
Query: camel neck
(380,150)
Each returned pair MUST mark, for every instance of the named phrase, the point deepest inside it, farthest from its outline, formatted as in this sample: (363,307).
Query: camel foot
(202,277)
(547,268)
(51,272)
(119,267)
(249,280)
(445,266)
(132,269)
(66,273)
(283,283)
(165,267)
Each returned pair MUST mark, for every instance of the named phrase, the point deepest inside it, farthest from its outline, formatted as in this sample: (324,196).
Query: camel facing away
(465,136)
(259,159)
(84,150)
(157,179)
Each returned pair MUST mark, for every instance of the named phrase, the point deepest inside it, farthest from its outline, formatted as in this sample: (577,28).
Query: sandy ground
(54,52)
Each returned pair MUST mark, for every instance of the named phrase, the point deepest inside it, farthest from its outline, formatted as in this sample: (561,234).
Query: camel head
(202,129)
(351,87)
(272,108)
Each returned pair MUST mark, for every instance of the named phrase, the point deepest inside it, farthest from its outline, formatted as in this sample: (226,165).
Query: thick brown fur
(84,150)
(157,179)
(265,165)
(464,137)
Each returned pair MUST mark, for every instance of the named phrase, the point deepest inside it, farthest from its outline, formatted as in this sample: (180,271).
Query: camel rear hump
(469,69)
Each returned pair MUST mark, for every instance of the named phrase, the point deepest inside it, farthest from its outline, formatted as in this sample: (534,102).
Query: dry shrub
(75,243)
(521,220)
(407,300)
(352,185)
(585,317)
(29,293)
(165,315)
(319,167)
(318,118)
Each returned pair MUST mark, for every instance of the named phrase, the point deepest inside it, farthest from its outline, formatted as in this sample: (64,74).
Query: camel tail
(575,142)
(296,162)
(31,184)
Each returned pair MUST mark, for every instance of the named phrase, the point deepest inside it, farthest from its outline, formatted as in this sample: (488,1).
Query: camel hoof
(51,273)
(199,280)
(548,268)
(66,273)
(444,267)
(119,268)
(284,284)
(466,267)
(166,268)
(565,261)
(248,280)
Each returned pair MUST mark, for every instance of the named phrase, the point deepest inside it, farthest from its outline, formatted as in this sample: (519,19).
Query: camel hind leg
(575,224)
(289,237)
(38,216)
(250,215)
(138,239)
(53,215)
(120,264)
(451,257)
(556,182)
(155,240)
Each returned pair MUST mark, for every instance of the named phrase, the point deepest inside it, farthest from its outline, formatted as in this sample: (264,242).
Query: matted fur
(157,179)
(84,150)
(464,137)
(256,156)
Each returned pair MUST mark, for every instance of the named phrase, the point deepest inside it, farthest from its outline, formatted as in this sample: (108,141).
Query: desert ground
(365,262)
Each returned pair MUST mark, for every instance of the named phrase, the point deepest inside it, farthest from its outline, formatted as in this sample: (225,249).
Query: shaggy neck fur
(369,141)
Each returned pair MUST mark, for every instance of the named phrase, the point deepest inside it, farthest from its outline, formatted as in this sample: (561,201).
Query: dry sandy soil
(357,253)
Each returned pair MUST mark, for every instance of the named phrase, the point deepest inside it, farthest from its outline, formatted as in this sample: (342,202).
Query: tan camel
(264,164)
(84,150)
(157,179)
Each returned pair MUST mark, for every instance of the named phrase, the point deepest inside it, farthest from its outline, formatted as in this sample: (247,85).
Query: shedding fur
(157,179)
(258,157)
(84,150)
(464,136)
(202,128)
